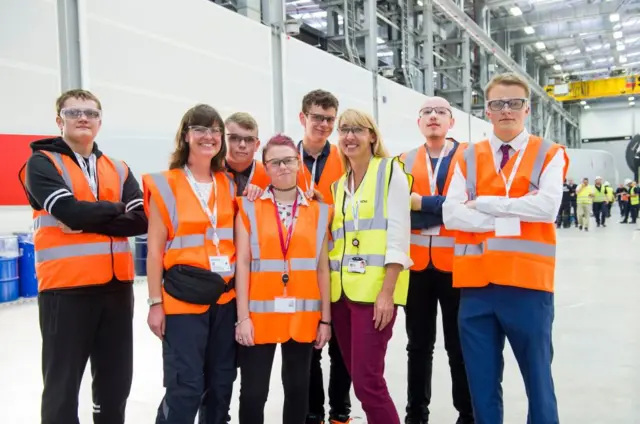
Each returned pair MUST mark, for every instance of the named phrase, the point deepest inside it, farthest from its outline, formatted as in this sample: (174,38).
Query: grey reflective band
(65,172)
(507,245)
(81,250)
(436,241)
(44,221)
(266,306)
(167,197)
(410,159)
(467,249)
(470,159)
(277,265)
(120,169)
(66,176)
(197,240)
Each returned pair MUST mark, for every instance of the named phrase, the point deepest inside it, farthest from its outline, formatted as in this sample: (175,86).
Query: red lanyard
(284,247)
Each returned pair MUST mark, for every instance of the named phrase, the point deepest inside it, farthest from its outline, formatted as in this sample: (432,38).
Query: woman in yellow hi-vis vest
(584,196)
(369,258)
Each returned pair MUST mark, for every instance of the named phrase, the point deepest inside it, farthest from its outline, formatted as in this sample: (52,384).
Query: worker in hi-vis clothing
(430,280)
(585,194)
(600,202)
(503,200)
(85,206)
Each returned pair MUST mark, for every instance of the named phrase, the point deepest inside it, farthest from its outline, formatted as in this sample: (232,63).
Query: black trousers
(339,386)
(199,359)
(573,204)
(564,214)
(600,212)
(255,374)
(426,289)
(78,327)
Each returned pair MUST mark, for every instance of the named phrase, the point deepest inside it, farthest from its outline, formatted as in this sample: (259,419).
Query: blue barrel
(9,270)
(140,256)
(27,266)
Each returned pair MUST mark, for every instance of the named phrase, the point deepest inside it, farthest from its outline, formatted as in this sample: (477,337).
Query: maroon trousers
(363,349)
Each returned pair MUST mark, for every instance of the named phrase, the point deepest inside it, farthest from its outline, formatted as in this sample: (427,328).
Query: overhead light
(614,17)
(622,59)
(515,11)
(540,45)
(630,99)
(557,67)
(529,30)
(617,35)
(617,27)
(583,102)
(380,40)
(587,107)
(632,103)
(420,3)
(620,47)
(549,56)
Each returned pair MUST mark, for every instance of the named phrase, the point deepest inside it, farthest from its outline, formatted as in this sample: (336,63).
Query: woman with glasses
(369,258)
(282,286)
(190,271)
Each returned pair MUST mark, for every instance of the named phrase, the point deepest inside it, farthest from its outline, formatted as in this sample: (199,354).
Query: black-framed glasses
(357,131)
(201,130)
(439,110)
(514,104)
(289,162)
(319,119)
(237,138)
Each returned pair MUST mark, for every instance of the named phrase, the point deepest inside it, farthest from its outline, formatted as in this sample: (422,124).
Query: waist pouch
(195,285)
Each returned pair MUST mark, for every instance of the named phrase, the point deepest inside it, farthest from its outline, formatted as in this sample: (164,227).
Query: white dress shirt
(540,207)
(399,218)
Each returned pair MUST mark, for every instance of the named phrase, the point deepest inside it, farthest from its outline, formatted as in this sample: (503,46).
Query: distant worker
(610,197)
(622,196)
(85,206)
(634,202)
(572,200)
(599,202)
(430,280)
(585,194)
(564,213)
(503,200)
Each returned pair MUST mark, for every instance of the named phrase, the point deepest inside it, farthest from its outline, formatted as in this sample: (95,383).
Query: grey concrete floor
(597,347)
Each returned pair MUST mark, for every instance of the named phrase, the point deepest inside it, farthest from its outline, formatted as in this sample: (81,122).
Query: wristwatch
(154,301)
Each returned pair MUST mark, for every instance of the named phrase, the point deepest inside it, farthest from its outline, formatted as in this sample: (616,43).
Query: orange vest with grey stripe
(84,259)
(268,266)
(189,232)
(526,261)
(425,248)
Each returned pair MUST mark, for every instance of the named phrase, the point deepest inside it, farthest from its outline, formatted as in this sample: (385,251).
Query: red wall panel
(14,152)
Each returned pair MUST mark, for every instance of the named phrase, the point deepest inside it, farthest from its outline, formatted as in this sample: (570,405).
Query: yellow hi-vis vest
(609,192)
(634,197)
(582,195)
(372,237)
(599,194)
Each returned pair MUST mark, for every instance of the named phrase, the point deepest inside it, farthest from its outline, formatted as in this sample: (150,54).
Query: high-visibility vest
(372,237)
(83,259)
(634,197)
(425,248)
(600,194)
(609,192)
(268,267)
(528,260)
(189,231)
(583,195)
(331,172)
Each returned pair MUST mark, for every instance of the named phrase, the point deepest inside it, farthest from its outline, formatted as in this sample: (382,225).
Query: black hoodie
(44,186)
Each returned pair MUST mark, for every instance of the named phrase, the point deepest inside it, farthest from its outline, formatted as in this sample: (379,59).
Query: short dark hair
(277,140)
(76,94)
(205,116)
(321,98)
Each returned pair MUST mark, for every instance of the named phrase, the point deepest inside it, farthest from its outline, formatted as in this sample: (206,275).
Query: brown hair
(75,94)
(321,98)
(243,120)
(508,78)
(278,140)
(205,116)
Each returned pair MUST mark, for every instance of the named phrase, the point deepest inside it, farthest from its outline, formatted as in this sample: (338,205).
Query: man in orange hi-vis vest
(430,280)
(85,205)
(503,199)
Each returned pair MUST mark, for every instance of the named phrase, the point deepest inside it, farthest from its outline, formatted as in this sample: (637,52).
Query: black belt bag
(195,285)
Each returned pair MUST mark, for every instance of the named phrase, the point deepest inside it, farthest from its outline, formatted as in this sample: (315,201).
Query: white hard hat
(606,183)
(598,177)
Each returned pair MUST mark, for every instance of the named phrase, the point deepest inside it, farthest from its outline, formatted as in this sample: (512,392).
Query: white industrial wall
(150,60)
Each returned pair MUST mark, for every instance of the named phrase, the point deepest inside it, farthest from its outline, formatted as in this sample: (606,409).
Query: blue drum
(140,256)
(27,266)
(9,270)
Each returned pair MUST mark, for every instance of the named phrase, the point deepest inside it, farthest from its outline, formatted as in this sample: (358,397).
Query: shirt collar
(268,194)
(245,172)
(516,143)
(324,152)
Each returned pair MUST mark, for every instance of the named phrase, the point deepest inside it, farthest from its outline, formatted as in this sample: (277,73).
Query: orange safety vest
(190,236)
(84,259)
(331,173)
(259,177)
(267,268)
(426,248)
(526,261)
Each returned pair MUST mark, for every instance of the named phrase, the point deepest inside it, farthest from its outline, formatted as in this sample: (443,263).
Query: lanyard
(313,170)
(433,174)
(514,170)
(90,172)
(213,217)
(284,244)
(355,203)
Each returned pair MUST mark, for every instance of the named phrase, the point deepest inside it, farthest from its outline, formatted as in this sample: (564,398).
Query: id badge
(357,265)
(508,226)
(431,231)
(219,264)
(285,305)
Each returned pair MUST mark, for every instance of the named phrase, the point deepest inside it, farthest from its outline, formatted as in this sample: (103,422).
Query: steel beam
(427,46)
(69,40)
(485,41)
(371,22)
(466,73)
(274,16)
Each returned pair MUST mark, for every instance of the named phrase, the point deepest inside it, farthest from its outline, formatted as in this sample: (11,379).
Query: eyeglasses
(77,112)
(237,139)
(289,162)
(357,131)
(201,131)
(514,104)
(319,119)
(441,111)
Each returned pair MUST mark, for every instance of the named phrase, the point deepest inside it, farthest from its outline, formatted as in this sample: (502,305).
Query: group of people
(313,244)
(580,202)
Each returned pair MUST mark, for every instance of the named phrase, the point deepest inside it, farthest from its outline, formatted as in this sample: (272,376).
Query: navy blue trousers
(199,356)
(487,316)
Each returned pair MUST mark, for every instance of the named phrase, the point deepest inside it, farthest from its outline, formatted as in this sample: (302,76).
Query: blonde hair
(357,118)
(508,78)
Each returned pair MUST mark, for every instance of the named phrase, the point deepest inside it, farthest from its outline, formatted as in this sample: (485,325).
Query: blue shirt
(322,160)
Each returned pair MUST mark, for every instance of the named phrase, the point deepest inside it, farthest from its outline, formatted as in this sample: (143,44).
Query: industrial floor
(596,335)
